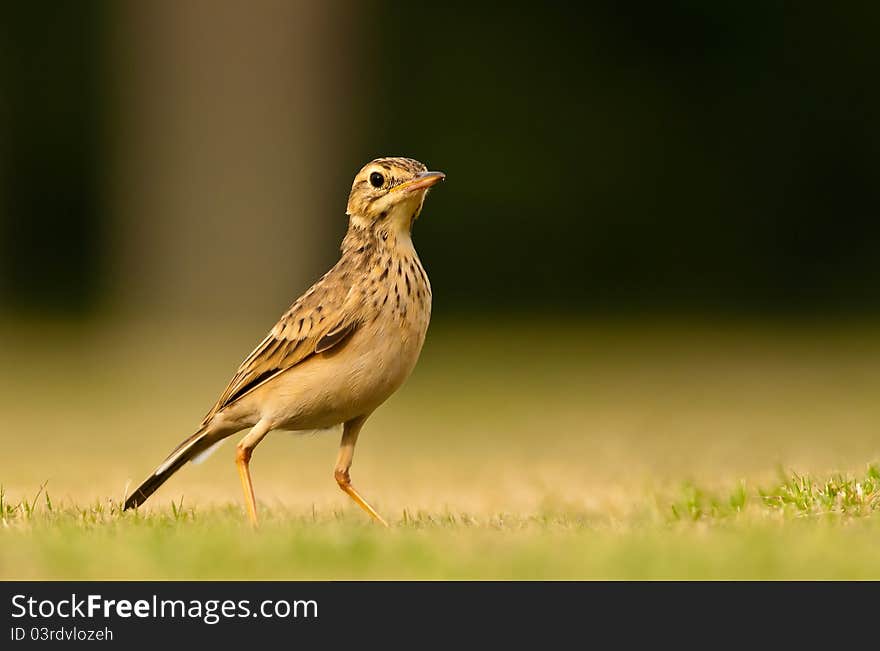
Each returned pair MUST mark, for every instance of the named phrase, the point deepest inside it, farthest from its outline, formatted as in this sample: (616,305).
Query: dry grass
(606,450)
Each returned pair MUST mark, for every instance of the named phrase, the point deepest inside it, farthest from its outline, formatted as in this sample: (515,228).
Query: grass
(798,528)
(618,451)
(794,495)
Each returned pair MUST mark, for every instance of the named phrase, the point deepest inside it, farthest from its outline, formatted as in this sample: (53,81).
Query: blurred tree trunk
(227,146)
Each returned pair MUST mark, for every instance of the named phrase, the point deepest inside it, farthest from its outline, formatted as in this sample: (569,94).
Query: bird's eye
(377,180)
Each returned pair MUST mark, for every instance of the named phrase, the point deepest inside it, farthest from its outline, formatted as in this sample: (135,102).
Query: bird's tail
(191,447)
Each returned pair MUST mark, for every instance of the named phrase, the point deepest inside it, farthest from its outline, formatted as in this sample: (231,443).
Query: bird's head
(390,191)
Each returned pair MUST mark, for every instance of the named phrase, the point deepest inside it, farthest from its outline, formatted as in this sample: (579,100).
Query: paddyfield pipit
(342,348)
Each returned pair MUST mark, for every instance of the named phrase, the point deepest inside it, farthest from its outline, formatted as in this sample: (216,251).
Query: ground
(561,449)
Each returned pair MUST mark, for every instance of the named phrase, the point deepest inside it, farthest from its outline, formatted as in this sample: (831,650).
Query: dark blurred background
(680,156)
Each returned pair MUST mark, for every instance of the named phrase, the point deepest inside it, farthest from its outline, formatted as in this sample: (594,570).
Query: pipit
(342,348)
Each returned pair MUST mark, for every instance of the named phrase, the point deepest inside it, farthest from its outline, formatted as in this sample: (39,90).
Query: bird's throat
(369,238)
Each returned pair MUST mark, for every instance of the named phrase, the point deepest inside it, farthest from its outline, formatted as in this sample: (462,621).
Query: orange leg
(243,452)
(343,463)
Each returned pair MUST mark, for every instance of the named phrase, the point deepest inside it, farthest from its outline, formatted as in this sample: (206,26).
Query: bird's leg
(350,433)
(243,452)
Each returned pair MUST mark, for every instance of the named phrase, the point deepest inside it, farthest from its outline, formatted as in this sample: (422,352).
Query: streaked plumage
(344,346)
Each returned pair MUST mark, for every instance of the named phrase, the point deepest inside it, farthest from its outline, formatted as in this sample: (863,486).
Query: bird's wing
(323,318)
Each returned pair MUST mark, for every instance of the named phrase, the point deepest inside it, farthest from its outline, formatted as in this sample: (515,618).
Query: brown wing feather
(335,337)
(321,319)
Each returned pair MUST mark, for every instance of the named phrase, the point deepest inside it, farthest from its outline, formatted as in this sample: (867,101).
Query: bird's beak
(422,181)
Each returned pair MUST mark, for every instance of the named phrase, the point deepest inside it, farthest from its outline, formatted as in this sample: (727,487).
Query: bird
(342,348)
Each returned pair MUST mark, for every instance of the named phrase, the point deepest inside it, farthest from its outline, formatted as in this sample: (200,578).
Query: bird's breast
(356,377)
(399,302)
